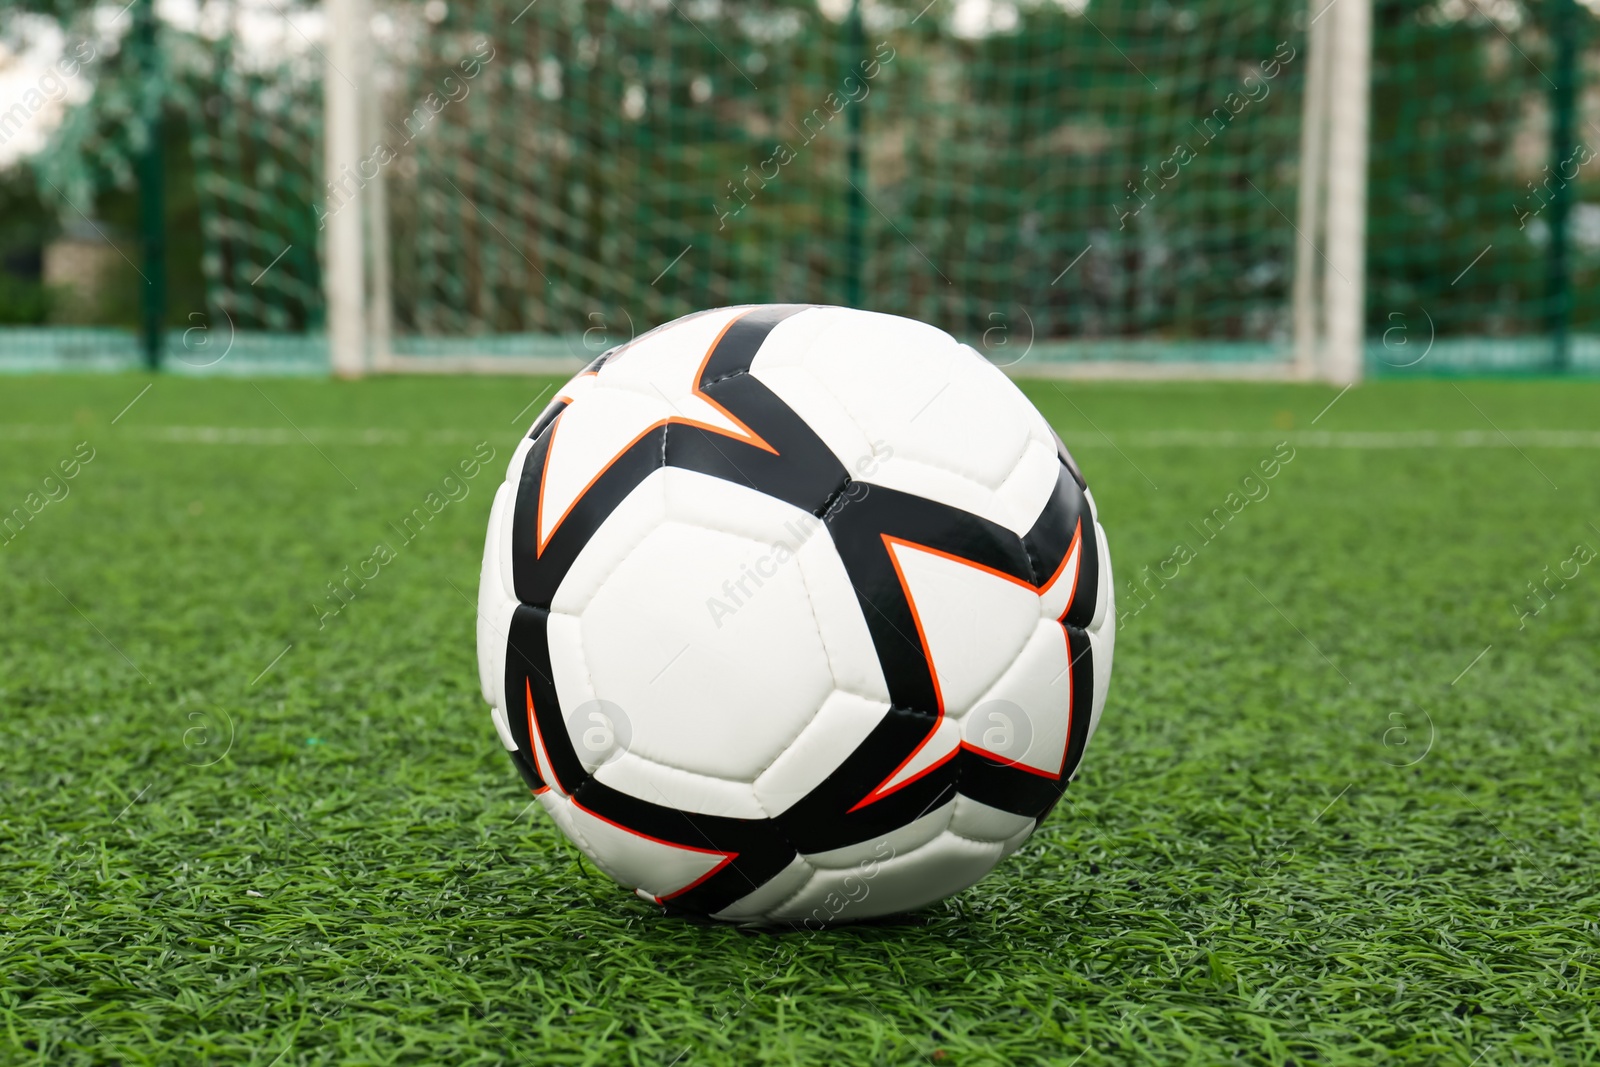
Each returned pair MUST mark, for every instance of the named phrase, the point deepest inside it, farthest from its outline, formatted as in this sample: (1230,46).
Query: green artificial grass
(1341,807)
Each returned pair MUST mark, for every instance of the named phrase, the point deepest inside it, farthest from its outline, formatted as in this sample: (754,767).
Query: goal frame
(1328,295)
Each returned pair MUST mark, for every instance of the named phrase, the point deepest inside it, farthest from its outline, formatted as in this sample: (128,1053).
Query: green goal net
(1062,183)
(1094,180)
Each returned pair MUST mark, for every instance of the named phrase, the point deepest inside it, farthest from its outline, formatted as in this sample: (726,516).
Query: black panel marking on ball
(859,529)
(549,416)
(829,816)
(758,854)
(527,766)
(1067,460)
(528,673)
(1050,538)
(1079,646)
(805,473)
(1026,792)
(736,349)
(1086,594)
(536,574)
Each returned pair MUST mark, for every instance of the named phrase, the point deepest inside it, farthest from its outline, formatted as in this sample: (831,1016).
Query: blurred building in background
(80,267)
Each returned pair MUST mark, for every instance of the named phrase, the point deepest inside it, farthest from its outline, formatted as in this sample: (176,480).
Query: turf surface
(1341,808)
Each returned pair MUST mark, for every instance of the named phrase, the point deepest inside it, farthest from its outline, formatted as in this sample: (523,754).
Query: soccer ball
(794,614)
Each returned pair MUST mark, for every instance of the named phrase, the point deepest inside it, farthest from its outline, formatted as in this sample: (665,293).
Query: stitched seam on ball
(842,408)
(581,841)
(685,770)
(1034,560)
(1035,567)
(849,415)
(654,762)
(731,374)
(869,698)
(828,502)
(833,675)
(588,675)
(792,897)
(606,577)
(991,490)
(994,501)
(815,712)
(776,826)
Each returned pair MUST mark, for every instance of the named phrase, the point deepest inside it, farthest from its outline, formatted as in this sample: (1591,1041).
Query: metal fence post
(1563,123)
(856,217)
(152,187)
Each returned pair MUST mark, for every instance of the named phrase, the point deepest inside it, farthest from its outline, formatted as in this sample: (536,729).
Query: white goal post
(1327,294)
(1348,90)
(343,278)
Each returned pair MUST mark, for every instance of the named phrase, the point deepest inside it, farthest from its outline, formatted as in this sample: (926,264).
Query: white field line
(1355,439)
(379,437)
(251,435)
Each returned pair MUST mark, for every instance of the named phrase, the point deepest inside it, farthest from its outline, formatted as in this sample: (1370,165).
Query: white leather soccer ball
(794,614)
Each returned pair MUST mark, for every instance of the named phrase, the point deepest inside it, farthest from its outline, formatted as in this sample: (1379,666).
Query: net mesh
(1114,179)
(1119,176)
(1468,170)
(256,137)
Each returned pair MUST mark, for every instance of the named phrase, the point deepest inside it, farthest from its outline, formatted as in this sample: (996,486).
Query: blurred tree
(86,170)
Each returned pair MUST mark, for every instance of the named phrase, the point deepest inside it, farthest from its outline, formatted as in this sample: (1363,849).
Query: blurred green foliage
(605,157)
